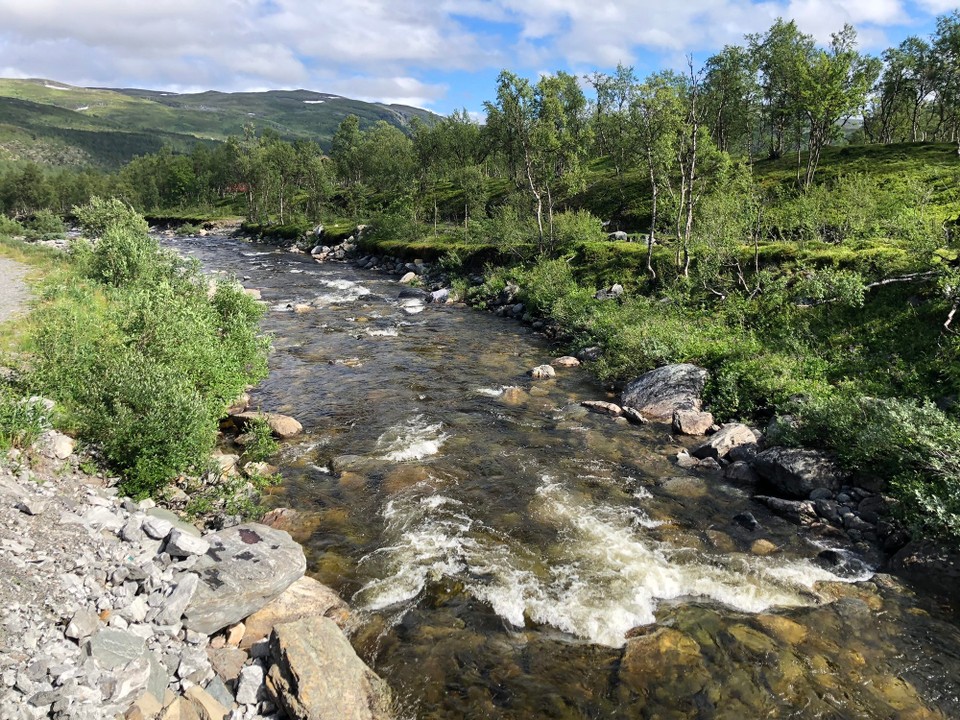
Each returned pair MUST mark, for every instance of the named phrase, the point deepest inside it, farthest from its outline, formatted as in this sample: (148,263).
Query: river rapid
(511,555)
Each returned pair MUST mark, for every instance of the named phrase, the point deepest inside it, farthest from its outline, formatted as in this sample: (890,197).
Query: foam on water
(388,332)
(604,578)
(414,440)
(489,392)
(344,291)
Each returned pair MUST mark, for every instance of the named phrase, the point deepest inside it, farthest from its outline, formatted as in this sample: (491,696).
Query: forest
(784,214)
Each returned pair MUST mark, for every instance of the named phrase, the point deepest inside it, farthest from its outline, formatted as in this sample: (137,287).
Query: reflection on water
(515,556)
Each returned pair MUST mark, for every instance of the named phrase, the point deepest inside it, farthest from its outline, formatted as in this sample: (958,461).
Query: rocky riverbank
(113,608)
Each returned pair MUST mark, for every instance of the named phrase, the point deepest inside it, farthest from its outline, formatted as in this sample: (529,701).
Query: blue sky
(439,54)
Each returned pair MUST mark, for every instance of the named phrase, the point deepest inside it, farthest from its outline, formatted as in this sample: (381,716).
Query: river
(500,544)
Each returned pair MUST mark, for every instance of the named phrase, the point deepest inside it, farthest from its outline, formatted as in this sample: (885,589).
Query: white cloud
(380,49)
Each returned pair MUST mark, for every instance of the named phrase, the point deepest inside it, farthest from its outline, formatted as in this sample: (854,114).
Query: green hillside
(57,124)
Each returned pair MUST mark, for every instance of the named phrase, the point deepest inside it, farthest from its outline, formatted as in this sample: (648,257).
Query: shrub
(9,226)
(99,214)
(22,421)
(261,446)
(142,357)
(45,224)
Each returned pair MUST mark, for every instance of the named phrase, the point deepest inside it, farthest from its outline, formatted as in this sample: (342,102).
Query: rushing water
(500,544)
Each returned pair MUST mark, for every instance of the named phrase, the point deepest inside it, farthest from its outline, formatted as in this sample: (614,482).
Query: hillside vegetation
(55,124)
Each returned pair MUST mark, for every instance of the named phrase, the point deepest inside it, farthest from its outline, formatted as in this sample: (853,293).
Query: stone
(316,674)
(219,692)
(282,426)
(408,278)
(798,511)
(931,566)
(304,598)
(179,709)
(32,506)
(226,463)
(741,472)
(177,601)
(746,520)
(795,473)
(55,445)
(250,684)
(83,624)
(206,707)
(112,648)
(686,460)
(227,662)
(156,527)
(602,407)
(691,422)
(668,661)
(567,361)
(619,236)
(132,681)
(235,634)
(183,544)
(246,567)
(148,705)
(543,372)
(783,629)
(633,416)
(763,547)
(724,440)
(659,392)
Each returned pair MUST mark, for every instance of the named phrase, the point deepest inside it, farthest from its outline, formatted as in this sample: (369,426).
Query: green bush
(22,421)
(141,355)
(100,214)
(9,226)
(45,224)
(262,445)
(910,444)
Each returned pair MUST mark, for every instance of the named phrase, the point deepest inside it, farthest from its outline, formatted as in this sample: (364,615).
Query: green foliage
(140,357)
(22,421)
(261,445)
(11,227)
(100,214)
(911,444)
(45,224)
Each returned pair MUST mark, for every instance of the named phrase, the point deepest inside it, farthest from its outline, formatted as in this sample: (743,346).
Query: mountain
(57,124)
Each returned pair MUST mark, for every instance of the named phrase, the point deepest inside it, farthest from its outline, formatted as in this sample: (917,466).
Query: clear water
(510,555)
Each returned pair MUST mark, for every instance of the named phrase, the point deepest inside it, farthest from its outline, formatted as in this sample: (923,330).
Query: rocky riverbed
(113,608)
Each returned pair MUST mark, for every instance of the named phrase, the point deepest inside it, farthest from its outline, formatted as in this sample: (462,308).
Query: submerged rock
(316,675)
(245,568)
(659,392)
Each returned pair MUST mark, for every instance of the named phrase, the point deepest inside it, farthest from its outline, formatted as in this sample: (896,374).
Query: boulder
(658,393)
(724,440)
(602,407)
(316,675)
(931,566)
(543,372)
(183,544)
(245,568)
(304,598)
(691,422)
(619,236)
(282,426)
(801,512)
(408,278)
(633,416)
(55,445)
(741,472)
(795,472)
(566,361)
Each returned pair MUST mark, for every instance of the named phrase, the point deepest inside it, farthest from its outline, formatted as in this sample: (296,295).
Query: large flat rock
(795,472)
(316,675)
(305,598)
(658,393)
(245,568)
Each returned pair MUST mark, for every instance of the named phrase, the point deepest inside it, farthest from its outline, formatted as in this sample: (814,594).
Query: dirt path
(14,292)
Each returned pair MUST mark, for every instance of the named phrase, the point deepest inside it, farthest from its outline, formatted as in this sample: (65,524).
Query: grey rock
(102,517)
(182,544)
(801,512)
(821,494)
(83,624)
(724,440)
(602,407)
(32,506)
(543,372)
(634,416)
(741,472)
(316,674)
(246,567)
(686,461)
(589,354)
(659,392)
(156,527)
(178,600)
(219,692)
(249,687)
(619,236)
(829,511)
(795,472)
(112,648)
